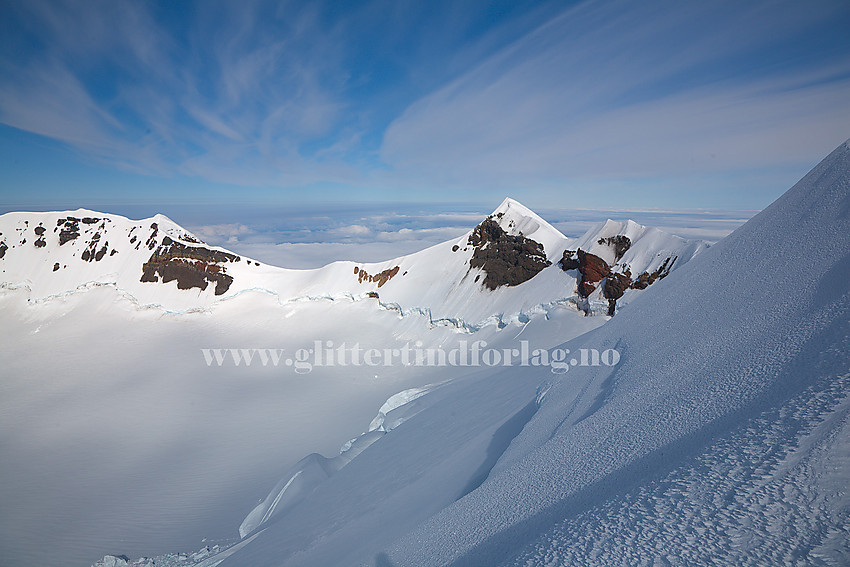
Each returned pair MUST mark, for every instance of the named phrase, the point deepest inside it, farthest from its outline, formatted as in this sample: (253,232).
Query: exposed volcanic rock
(91,253)
(40,243)
(89,220)
(620,243)
(381,277)
(614,287)
(151,242)
(593,269)
(569,261)
(506,259)
(56,266)
(3,248)
(70,229)
(39,230)
(646,279)
(191,266)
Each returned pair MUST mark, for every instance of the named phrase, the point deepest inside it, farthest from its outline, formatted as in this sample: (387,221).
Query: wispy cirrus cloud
(227,96)
(623,90)
(591,101)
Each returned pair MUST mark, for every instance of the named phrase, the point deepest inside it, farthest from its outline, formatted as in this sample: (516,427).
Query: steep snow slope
(116,434)
(719,438)
(154,262)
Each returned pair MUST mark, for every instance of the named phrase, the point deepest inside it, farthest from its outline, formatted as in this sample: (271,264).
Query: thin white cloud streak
(233,108)
(585,97)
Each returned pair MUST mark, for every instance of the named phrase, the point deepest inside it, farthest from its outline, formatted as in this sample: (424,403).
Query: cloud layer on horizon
(374,235)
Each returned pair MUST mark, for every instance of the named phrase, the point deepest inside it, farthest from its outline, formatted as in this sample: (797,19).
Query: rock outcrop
(380,278)
(593,270)
(614,287)
(504,258)
(191,266)
(646,279)
(70,229)
(620,243)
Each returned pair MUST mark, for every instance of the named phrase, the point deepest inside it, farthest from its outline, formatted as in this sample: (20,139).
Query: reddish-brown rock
(616,285)
(592,269)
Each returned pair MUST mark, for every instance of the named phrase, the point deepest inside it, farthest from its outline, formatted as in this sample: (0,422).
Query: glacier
(719,438)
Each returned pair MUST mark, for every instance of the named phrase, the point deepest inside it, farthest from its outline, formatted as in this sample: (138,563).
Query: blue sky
(609,104)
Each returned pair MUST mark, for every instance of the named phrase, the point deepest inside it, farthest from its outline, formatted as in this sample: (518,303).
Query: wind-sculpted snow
(714,358)
(720,438)
(771,492)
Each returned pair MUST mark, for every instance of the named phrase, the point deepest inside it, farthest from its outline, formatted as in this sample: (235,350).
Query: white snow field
(119,435)
(722,437)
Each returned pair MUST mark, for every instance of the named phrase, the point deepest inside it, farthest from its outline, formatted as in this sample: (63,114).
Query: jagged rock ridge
(594,271)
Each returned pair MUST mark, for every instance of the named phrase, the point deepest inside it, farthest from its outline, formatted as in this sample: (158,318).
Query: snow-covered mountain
(131,420)
(721,437)
(503,270)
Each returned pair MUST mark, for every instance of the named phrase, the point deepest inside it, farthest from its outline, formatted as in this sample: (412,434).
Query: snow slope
(118,436)
(720,438)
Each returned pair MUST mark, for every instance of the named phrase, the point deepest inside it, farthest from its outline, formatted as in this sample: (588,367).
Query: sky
(113,104)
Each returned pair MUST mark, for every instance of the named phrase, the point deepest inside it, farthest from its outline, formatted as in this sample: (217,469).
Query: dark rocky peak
(486,232)
(505,259)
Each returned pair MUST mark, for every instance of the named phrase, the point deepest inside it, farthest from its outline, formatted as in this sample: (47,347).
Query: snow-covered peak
(644,244)
(500,271)
(720,436)
(517,219)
